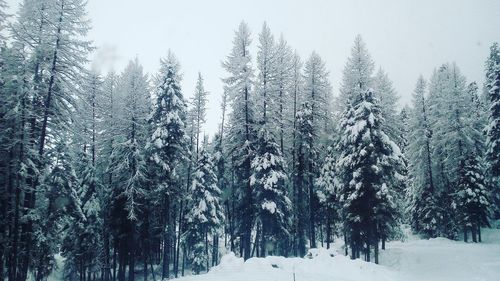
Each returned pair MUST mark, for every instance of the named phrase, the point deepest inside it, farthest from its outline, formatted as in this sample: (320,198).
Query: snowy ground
(413,260)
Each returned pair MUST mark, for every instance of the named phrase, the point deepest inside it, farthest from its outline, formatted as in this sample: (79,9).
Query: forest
(113,170)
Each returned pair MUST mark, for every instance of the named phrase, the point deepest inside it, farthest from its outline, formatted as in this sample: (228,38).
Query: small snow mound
(228,262)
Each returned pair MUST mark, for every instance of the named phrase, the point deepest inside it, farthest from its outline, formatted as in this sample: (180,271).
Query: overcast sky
(406,38)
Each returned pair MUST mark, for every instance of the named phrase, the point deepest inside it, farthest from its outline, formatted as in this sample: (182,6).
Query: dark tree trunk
(345,244)
(312,225)
(183,259)
(465,234)
(121,261)
(166,240)
(131,261)
(206,249)
(479,234)
(474,233)
(114,263)
(328,229)
(215,250)
(367,251)
(152,269)
(145,268)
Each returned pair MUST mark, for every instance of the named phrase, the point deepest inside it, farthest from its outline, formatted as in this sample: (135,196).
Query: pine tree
(382,85)
(490,70)
(242,131)
(423,205)
(472,198)
(285,74)
(199,111)
(3,20)
(316,91)
(18,158)
(108,109)
(269,192)
(327,194)
(266,79)
(296,89)
(303,178)
(404,130)
(83,245)
(168,145)
(493,127)
(205,216)
(128,165)
(51,34)
(451,141)
(357,74)
(478,117)
(62,199)
(367,166)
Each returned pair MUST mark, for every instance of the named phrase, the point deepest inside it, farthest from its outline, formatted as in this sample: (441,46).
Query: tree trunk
(376,251)
(152,269)
(465,234)
(145,268)
(367,251)
(166,240)
(474,233)
(345,244)
(354,254)
(122,260)
(183,259)
(312,226)
(206,248)
(114,263)
(328,228)
(215,250)
(479,234)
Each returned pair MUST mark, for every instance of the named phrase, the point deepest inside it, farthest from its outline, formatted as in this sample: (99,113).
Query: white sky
(406,38)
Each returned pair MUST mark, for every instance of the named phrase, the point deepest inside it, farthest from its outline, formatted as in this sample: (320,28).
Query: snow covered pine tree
(367,168)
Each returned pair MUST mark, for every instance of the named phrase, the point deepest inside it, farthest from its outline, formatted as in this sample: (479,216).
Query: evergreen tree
(472,198)
(296,89)
(199,111)
(266,79)
(168,145)
(367,166)
(303,178)
(357,74)
(404,130)
(269,190)
(328,195)
(242,130)
(128,165)
(285,73)
(316,92)
(51,35)
(451,141)
(3,20)
(493,127)
(205,216)
(423,205)
(382,85)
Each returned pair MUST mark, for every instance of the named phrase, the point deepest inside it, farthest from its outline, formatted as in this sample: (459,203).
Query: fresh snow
(416,259)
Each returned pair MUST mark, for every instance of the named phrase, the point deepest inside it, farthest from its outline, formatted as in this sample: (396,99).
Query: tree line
(114,173)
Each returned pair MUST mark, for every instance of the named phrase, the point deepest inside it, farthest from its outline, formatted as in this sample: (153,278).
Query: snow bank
(437,259)
(320,266)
